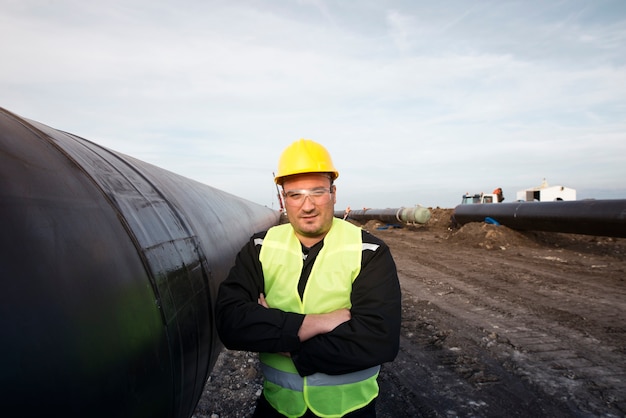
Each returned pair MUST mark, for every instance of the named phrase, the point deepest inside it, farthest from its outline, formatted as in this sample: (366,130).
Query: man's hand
(262,301)
(315,324)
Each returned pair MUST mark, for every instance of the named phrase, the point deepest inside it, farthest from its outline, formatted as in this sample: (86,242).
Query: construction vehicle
(494,197)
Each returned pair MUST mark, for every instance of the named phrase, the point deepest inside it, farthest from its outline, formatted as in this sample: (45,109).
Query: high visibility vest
(328,288)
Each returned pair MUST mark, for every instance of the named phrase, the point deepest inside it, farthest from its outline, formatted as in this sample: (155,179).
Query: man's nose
(308,203)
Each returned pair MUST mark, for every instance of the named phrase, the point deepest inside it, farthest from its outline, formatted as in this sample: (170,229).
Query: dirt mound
(440,218)
(489,236)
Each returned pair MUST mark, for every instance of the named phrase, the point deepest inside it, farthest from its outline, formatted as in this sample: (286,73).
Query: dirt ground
(495,323)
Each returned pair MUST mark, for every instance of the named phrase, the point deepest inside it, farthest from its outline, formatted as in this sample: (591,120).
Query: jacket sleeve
(243,324)
(372,336)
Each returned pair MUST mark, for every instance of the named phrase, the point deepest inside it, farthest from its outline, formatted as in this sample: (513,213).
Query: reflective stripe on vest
(295,382)
(328,288)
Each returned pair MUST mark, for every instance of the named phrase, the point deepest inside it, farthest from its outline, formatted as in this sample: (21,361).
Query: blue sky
(417,101)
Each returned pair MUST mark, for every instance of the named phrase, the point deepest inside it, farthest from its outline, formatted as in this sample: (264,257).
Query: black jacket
(370,338)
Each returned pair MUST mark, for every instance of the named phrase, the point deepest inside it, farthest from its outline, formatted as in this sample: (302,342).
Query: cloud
(432,98)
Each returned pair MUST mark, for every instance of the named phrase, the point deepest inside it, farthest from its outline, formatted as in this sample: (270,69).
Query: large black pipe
(109,270)
(587,217)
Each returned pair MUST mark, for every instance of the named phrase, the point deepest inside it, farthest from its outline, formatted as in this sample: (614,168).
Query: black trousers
(265,410)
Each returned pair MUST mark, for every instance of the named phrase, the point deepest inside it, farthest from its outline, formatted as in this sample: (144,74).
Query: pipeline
(586,217)
(413,215)
(109,272)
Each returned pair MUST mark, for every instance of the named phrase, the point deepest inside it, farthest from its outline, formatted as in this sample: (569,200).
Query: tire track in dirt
(592,302)
(540,332)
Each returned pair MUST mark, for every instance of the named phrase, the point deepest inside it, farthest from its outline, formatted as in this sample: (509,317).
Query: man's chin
(310,230)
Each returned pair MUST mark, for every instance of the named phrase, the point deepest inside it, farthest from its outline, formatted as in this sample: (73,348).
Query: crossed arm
(316,324)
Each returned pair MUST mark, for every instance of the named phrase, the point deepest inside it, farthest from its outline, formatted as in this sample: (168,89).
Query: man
(317,297)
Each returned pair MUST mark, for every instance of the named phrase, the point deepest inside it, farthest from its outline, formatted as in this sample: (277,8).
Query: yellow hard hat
(305,156)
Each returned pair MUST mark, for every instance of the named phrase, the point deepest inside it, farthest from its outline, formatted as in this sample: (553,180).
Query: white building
(546,193)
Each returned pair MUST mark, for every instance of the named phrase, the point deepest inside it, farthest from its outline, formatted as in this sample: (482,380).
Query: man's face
(310,208)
